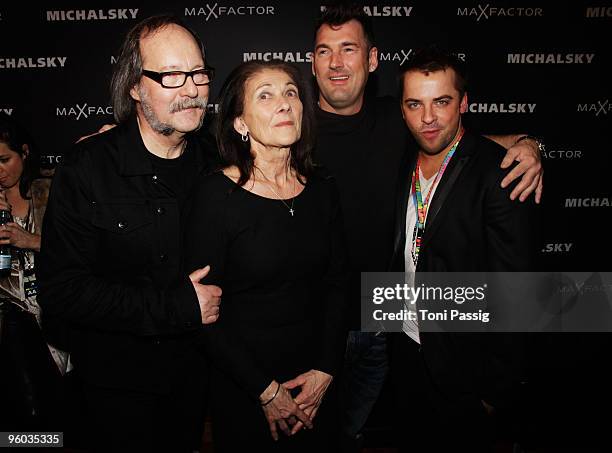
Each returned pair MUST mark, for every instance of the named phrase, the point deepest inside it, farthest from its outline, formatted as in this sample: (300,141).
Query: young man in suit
(452,216)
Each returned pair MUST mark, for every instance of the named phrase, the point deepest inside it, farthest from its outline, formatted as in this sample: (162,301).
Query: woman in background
(31,376)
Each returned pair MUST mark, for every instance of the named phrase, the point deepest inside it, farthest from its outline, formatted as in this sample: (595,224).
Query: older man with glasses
(110,265)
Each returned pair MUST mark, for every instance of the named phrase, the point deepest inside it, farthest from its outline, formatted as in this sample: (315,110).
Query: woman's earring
(245,137)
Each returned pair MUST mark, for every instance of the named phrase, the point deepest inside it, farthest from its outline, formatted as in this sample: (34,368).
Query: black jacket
(110,265)
(472,226)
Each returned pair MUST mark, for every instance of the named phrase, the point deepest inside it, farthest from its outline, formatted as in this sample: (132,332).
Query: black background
(36,95)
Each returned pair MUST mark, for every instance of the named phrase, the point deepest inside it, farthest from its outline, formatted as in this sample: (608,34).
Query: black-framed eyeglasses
(176,79)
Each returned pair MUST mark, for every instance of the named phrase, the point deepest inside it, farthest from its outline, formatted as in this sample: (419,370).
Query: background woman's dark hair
(236,152)
(14,136)
(128,69)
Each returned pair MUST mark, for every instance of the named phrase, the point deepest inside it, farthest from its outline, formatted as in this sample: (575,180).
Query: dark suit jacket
(472,226)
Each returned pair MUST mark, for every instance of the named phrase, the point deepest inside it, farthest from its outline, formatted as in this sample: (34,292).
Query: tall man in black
(361,141)
(453,216)
(111,250)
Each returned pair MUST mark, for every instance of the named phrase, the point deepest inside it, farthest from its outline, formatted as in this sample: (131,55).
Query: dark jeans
(365,370)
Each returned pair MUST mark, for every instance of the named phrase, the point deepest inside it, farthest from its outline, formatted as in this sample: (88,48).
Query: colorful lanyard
(419,227)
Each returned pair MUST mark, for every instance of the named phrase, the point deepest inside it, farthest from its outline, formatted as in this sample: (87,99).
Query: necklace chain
(270,186)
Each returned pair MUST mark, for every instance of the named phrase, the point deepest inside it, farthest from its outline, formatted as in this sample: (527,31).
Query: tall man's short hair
(336,15)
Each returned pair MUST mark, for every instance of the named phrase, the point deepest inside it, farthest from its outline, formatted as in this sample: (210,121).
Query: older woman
(269,226)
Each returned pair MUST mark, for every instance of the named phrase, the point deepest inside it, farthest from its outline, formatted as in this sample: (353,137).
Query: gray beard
(154,122)
(165,128)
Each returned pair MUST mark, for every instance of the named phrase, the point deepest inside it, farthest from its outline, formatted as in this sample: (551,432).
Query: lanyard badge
(422,207)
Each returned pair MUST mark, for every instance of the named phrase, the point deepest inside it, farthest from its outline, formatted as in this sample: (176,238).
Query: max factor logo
(293,57)
(92,14)
(402,56)
(601,108)
(600,11)
(480,107)
(7,111)
(41,62)
(487,11)
(83,111)
(588,202)
(384,11)
(550,58)
(562,154)
(215,11)
(557,247)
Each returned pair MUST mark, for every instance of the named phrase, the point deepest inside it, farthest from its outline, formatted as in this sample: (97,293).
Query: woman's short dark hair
(128,69)
(236,152)
(15,137)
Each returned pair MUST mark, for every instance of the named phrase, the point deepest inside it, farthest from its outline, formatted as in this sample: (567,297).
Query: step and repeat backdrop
(538,67)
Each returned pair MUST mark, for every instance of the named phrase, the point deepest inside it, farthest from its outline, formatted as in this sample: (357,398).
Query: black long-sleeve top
(283,278)
(363,152)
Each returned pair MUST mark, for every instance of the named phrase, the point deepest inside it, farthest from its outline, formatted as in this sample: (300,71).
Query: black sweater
(363,153)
